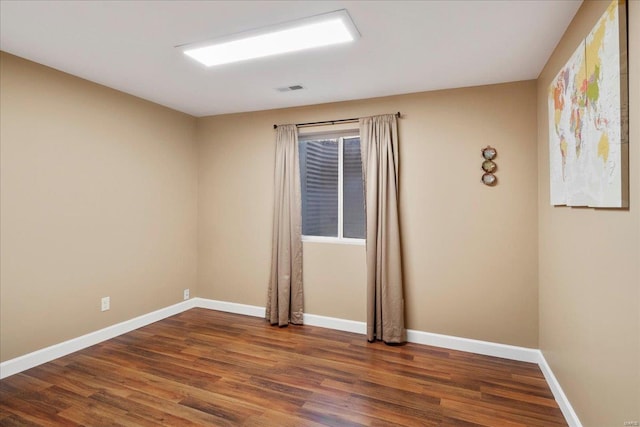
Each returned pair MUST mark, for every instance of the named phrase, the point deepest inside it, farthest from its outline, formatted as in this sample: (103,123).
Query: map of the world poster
(588,119)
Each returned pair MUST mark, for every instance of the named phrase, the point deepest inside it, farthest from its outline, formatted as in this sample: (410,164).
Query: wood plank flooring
(204,367)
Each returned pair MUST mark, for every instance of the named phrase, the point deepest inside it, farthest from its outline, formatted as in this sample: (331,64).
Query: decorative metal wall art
(489,166)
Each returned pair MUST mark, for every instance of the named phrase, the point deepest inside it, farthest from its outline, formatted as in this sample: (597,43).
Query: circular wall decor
(489,152)
(489,179)
(489,166)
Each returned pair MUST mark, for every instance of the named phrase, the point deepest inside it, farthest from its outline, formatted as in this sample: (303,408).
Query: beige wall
(98,198)
(470,250)
(590,266)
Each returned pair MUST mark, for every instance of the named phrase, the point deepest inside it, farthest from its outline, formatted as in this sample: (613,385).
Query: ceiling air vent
(289,88)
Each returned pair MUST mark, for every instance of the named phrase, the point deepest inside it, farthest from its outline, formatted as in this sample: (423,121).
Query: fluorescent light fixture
(320,30)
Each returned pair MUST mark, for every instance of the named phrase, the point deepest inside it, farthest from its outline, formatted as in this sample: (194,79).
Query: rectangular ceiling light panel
(321,30)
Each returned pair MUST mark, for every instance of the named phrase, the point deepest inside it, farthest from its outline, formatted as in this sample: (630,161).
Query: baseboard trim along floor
(523,354)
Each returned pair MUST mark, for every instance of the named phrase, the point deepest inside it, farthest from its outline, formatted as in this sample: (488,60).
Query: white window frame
(341,136)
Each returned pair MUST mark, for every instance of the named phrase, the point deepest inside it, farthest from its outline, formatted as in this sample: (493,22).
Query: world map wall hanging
(589,119)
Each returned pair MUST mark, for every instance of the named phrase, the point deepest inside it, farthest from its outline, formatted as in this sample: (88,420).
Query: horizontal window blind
(353,190)
(319,185)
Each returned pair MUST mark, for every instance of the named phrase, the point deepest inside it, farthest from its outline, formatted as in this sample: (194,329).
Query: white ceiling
(406,46)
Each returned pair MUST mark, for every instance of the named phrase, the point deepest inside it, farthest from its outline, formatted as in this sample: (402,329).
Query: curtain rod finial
(275,126)
(398,114)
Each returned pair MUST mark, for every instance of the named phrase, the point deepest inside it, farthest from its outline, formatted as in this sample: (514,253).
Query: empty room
(320,213)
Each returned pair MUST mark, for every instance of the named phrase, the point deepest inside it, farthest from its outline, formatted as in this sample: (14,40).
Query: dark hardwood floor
(204,367)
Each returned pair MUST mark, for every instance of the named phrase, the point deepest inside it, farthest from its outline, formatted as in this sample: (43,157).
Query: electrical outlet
(105,304)
(185,295)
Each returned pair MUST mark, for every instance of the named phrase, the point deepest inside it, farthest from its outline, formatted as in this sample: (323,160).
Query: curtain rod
(330,122)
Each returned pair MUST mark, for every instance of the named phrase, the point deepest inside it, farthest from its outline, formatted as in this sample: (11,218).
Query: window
(332,188)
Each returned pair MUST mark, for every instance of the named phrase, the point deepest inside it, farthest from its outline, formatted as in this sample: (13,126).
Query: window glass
(332,187)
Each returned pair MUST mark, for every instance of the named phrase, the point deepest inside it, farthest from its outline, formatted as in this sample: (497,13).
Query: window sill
(334,240)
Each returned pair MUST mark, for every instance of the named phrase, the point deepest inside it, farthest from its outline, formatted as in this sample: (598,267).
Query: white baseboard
(335,323)
(308,319)
(565,406)
(47,354)
(486,348)
(230,307)
(454,343)
(30,360)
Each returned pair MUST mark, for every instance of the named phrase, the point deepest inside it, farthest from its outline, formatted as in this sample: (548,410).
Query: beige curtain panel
(285,298)
(385,300)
